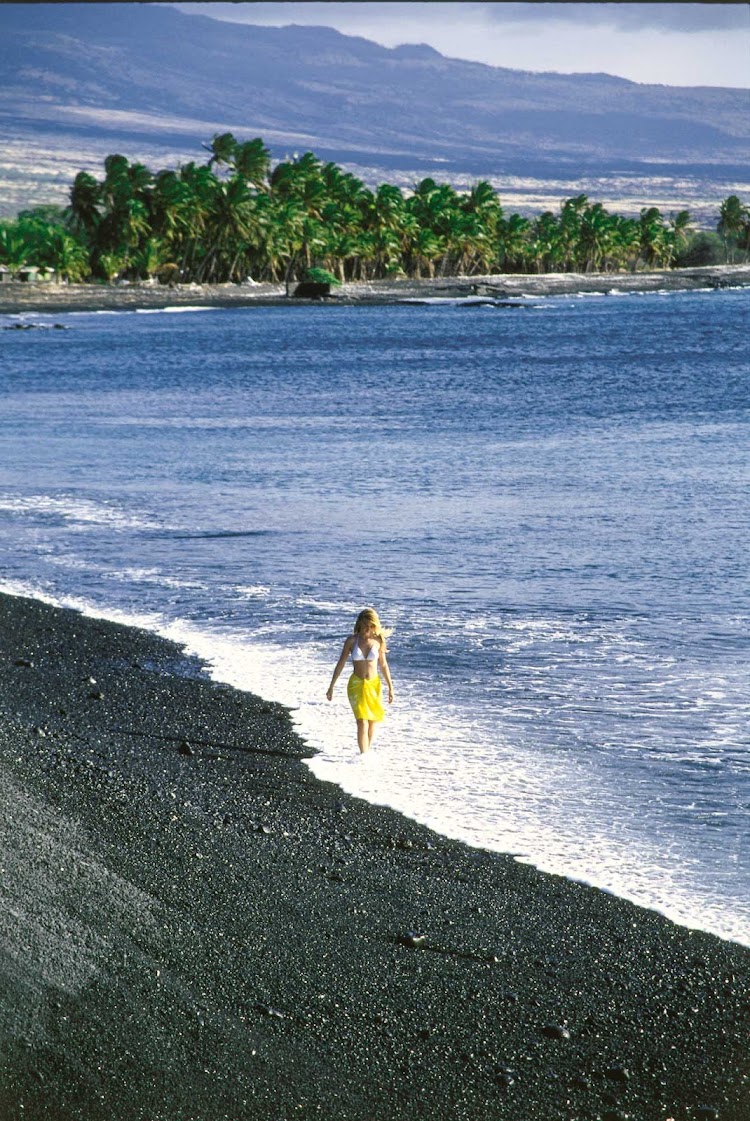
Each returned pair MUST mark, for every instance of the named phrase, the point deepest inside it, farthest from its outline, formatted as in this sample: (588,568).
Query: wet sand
(194,928)
(18,298)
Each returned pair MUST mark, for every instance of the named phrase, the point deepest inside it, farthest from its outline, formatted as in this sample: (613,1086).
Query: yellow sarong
(364,697)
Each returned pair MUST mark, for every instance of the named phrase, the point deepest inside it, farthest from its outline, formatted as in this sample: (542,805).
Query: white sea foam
(155,576)
(253,591)
(101,311)
(173,310)
(501,800)
(78,512)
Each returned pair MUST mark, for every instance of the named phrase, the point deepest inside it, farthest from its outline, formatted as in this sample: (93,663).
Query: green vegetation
(236,217)
(321,276)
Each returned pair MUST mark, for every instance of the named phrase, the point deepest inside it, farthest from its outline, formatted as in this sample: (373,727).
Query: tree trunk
(289,271)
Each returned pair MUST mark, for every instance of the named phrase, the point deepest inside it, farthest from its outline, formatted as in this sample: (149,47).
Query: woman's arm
(340,665)
(386,674)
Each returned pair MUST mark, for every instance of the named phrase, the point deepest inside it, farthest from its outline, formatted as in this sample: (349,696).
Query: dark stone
(412,939)
(706,1113)
(24,662)
(96,695)
(615,1115)
(273,1013)
(555,1031)
(618,1073)
(185,748)
(311,290)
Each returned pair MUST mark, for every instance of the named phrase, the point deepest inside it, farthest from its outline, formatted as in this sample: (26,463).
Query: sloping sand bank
(194,928)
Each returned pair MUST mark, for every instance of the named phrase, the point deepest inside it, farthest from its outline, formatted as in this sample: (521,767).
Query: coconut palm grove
(237,217)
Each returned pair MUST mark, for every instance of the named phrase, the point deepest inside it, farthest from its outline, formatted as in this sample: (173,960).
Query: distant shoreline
(18,298)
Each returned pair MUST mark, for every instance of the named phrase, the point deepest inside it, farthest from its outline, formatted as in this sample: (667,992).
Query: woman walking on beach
(367,648)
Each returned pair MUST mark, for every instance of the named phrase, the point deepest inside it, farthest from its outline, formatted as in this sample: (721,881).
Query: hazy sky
(675,44)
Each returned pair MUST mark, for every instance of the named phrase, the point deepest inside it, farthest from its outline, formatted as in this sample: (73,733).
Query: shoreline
(195,927)
(18,298)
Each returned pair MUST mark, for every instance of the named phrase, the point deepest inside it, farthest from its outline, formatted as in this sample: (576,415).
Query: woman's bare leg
(371,732)
(363,735)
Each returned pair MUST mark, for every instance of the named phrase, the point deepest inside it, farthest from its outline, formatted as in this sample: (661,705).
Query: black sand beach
(196,929)
(18,298)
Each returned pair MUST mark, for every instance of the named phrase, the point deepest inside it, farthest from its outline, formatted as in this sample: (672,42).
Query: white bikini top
(359,656)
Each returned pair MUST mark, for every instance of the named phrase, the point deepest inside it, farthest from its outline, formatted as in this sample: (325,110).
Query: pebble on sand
(412,939)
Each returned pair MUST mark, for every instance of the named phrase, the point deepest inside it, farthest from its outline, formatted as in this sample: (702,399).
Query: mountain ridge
(185,76)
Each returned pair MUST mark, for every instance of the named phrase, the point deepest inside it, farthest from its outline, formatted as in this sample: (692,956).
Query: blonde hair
(369,617)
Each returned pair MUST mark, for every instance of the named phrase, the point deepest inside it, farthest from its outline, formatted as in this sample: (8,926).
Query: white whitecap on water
(328,606)
(76,511)
(154,576)
(253,591)
(173,309)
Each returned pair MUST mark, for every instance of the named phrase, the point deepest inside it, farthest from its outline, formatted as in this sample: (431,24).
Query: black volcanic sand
(194,927)
(18,298)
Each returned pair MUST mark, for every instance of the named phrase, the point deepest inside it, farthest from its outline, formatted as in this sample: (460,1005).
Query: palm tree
(112,265)
(169,202)
(83,212)
(387,227)
(651,244)
(251,161)
(67,256)
(678,233)
(512,243)
(127,202)
(625,241)
(426,247)
(230,228)
(284,237)
(482,207)
(546,243)
(595,237)
(14,248)
(222,148)
(301,182)
(435,208)
(151,257)
(571,214)
(732,218)
(199,185)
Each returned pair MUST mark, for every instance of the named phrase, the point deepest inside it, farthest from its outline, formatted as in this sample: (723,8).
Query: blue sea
(548,503)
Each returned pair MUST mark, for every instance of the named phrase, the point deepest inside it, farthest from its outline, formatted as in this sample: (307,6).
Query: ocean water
(547,502)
